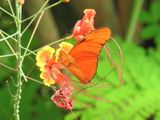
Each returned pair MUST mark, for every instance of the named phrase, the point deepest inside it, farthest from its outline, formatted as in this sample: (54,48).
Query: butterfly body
(82,59)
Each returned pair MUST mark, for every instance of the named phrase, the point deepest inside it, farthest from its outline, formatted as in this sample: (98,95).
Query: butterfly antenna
(118,69)
(120,50)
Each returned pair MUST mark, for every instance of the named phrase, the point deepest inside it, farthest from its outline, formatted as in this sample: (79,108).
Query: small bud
(21,2)
(65,1)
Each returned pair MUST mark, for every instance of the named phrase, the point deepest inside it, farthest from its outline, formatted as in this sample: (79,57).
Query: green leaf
(145,17)
(157,38)
(149,31)
(155,10)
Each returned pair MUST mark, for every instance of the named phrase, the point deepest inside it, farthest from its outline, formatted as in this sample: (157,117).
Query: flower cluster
(47,61)
(50,67)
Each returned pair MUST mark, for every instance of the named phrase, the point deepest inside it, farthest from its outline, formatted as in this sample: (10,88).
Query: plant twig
(34,17)
(6,56)
(12,11)
(8,36)
(24,76)
(8,43)
(6,66)
(12,37)
(37,13)
(43,9)
(31,38)
(34,80)
(52,43)
(8,13)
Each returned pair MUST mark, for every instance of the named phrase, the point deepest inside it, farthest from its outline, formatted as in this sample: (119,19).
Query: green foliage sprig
(151,19)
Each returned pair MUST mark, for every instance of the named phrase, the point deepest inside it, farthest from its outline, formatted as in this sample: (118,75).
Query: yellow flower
(44,55)
(63,46)
(47,61)
(47,79)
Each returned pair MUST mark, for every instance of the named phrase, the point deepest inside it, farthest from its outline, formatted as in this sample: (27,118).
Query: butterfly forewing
(86,52)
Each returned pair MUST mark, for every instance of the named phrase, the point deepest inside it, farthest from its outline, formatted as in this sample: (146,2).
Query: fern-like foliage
(137,99)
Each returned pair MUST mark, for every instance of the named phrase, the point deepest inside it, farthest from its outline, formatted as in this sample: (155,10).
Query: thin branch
(37,13)
(30,40)
(34,80)
(30,51)
(53,5)
(35,16)
(29,24)
(9,55)
(8,13)
(11,8)
(8,44)
(52,43)
(6,66)
(8,36)
(24,76)
(12,11)
(11,36)
(43,9)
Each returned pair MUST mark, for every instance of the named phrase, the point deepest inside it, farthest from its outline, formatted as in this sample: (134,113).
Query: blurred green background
(135,25)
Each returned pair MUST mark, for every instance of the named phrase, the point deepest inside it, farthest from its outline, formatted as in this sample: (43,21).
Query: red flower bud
(85,25)
(65,1)
(21,2)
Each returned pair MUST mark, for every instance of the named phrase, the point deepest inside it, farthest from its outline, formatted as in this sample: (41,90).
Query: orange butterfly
(82,59)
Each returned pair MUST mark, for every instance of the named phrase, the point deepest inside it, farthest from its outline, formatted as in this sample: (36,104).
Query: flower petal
(47,79)
(64,46)
(44,55)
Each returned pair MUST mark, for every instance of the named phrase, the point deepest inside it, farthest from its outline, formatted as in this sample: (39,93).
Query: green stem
(19,62)
(134,19)
(6,56)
